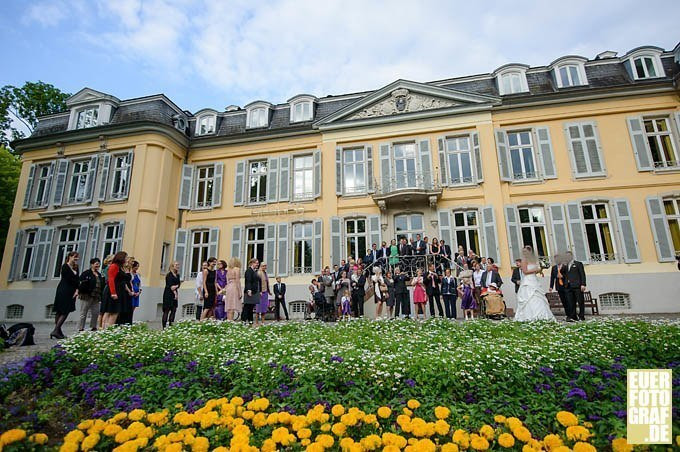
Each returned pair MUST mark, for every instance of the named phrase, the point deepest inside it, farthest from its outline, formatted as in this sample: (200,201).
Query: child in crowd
(465,292)
(346,303)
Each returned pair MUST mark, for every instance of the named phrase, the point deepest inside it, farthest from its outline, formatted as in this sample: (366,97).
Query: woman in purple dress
(466,294)
(262,308)
(221,282)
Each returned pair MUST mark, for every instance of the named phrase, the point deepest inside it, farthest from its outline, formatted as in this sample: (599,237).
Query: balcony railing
(602,257)
(667,165)
(407,181)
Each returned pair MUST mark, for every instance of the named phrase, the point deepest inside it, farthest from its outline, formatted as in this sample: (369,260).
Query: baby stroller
(493,305)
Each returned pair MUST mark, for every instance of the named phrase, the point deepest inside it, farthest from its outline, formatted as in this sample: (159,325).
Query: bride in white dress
(531,301)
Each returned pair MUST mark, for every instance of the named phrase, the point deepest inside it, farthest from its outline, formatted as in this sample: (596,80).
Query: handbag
(251,299)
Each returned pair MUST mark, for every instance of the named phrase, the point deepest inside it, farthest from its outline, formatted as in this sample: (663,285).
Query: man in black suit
(576,285)
(402,300)
(517,274)
(445,251)
(404,251)
(558,282)
(358,294)
(432,290)
(280,298)
(491,275)
(420,247)
(383,254)
(251,290)
(373,254)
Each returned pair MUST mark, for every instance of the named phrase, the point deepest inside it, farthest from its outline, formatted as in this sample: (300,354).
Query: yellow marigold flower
(346,443)
(384,412)
(325,427)
(462,438)
(552,441)
(339,429)
(68,447)
(224,449)
(118,417)
(499,419)
(86,425)
(407,412)
(513,423)
(268,445)
(304,433)
(392,448)
(450,447)
(272,418)
(38,438)
(349,419)
(413,404)
(174,447)
(528,448)
(506,440)
(239,440)
(561,449)
(237,401)
(248,415)
(478,442)
(241,430)
(578,433)
(137,415)
(487,432)
(112,429)
(306,442)
(12,436)
(74,436)
(441,427)
(338,410)
(522,433)
(279,434)
(325,440)
(677,440)
(566,418)
(200,444)
(284,417)
(621,445)
(371,442)
(442,412)
(123,436)
(584,447)
(314,447)
(425,445)
(90,442)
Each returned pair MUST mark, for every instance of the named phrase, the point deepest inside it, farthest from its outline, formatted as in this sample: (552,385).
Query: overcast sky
(215,53)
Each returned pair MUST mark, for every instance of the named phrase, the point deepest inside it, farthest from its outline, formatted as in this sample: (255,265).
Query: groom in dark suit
(576,285)
(558,281)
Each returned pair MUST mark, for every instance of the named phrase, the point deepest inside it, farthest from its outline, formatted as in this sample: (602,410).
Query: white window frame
(410,231)
(44,180)
(202,248)
(63,247)
(256,243)
(83,175)
(303,176)
(87,117)
(584,141)
(257,114)
(524,176)
(596,258)
(614,300)
(571,68)
(516,74)
(350,168)
(208,120)
(298,113)
(26,257)
(534,227)
(306,241)
(165,253)
(403,179)
(672,218)
(467,229)
(356,235)
(204,184)
(125,172)
(656,66)
(656,135)
(459,152)
(109,244)
(262,163)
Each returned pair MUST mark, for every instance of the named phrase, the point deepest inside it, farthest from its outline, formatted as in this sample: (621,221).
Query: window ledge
(71,210)
(666,169)
(257,204)
(354,195)
(303,200)
(590,177)
(201,209)
(527,182)
(466,185)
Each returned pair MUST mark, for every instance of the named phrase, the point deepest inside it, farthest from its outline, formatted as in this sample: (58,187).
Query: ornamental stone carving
(403,101)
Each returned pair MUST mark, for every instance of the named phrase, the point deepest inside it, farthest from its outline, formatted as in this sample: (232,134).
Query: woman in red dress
(419,295)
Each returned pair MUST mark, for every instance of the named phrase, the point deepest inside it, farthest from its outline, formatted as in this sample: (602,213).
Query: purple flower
(192,365)
(273,364)
(350,383)
(410,383)
(284,394)
(547,371)
(176,384)
(617,366)
(590,369)
(320,385)
(337,359)
(538,389)
(488,411)
(617,399)
(577,392)
(169,356)
(621,414)
(230,362)
(138,365)
(469,398)
(594,417)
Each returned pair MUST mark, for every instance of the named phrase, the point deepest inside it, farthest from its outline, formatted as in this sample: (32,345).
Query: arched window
(14,311)
(644,63)
(257,114)
(301,108)
(512,79)
(570,71)
(205,124)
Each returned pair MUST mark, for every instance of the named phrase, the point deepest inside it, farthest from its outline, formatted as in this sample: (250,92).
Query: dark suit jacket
(253,282)
(383,253)
(405,250)
(495,278)
(553,278)
(400,281)
(445,251)
(280,291)
(431,281)
(576,275)
(359,287)
(368,259)
(448,289)
(516,278)
(422,245)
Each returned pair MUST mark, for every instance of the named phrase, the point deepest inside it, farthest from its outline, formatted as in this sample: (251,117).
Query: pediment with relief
(403,101)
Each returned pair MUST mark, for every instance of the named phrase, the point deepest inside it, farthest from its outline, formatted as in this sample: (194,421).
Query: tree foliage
(25,105)
(10,168)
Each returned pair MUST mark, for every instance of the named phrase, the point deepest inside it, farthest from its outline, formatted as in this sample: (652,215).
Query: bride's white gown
(531,301)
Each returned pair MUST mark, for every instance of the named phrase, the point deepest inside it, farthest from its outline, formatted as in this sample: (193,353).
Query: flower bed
(476,370)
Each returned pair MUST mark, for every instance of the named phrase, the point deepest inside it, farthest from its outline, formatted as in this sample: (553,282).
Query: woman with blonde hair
(105,268)
(532,303)
(170,294)
(233,293)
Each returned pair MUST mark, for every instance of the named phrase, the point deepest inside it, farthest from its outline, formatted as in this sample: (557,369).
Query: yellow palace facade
(582,154)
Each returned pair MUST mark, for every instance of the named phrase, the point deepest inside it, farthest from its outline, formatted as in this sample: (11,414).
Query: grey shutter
(369,169)
(546,153)
(662,237)
(558,224)
(282,267)
(83,241)
(272,179)
(186,187)
(94,241)
(629,242)
(503,160)
(643,156)
(239,182)
(677,126)
(336,240)
(181,239)
(60,183)
(48,187)
(284,178)
(18,240)
(443,179)
(338,171)
(217,185)
(512,224)
(477,155)
(29,186)
(214,242)
(445,226)
(121,232)
(373,222)
(577,231)
(91,178)
(270,246)
(317,173)
(236,233)
(425,164)
(385,169)
(574,136)
(128,173)
(104,176)
(41,254)
(490,234)
(317,247)
(594,149)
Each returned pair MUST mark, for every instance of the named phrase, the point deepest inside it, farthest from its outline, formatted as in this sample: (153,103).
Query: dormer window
(302,108)
(568,75)
(644,67)
(644,63)
(569,71)
(257,114)
(205,125)
(512,79)
(87,117)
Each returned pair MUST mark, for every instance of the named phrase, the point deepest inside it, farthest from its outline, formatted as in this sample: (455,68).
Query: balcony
(406,188)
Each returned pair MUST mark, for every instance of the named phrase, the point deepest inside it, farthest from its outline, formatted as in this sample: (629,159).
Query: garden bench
(556,303)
